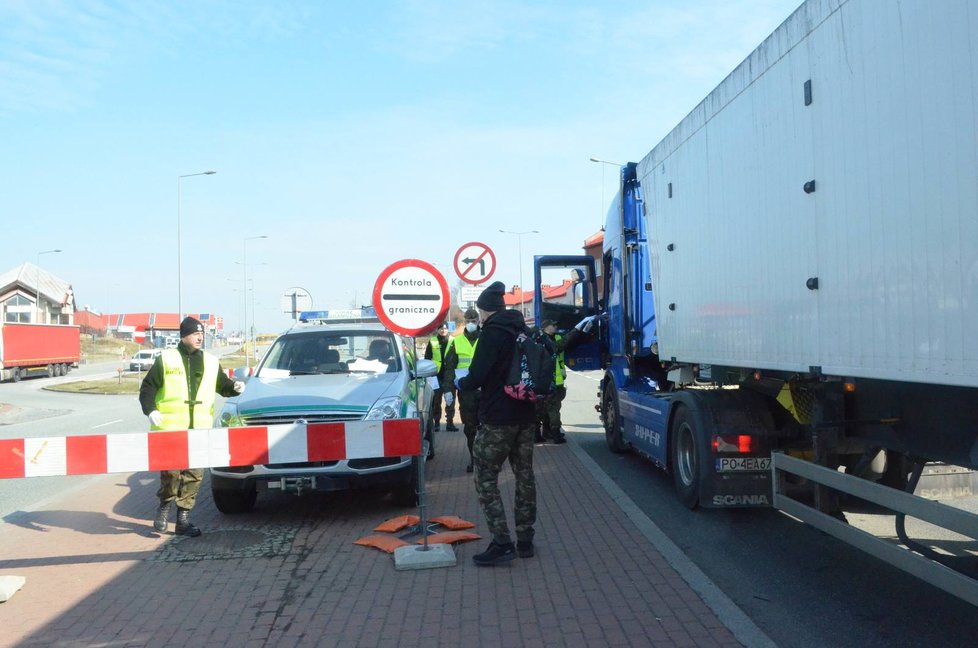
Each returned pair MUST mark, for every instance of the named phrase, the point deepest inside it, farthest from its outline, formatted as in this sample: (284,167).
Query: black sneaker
(560,439)
(451,428)
(495,554)
(524,548)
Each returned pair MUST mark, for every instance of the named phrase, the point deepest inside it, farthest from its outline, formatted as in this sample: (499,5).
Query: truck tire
(52,371)
(232,502)
(62,369)
(611,415)
(687,458)
(16,375)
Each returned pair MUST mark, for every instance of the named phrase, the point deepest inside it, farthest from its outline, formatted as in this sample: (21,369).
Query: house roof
(34,279)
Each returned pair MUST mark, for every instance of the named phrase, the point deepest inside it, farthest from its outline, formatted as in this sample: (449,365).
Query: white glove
(449,399)
(155,418)
(239,386)
(585,324)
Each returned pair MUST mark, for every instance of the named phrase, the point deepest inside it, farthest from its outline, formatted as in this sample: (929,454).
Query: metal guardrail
(938,514)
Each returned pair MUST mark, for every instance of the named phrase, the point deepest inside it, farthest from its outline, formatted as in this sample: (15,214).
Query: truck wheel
(407,496)
(52,372)
(687,460)
(234,501)
(16,375)
(63,369)
(612,422)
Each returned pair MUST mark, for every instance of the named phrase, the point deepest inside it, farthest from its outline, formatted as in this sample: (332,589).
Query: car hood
(329,392)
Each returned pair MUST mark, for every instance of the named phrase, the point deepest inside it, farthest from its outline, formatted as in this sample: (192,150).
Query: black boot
(162,513)
(184,526)
(451,427)
(496,554)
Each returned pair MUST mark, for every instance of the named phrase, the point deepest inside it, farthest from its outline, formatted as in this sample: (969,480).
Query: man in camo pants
(506,431)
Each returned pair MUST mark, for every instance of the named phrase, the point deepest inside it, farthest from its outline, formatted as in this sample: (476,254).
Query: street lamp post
(519,239)
(244,265)
(37,277)
(179,253)
(603,205)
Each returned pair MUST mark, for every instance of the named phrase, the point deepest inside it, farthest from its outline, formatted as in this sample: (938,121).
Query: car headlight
(385,408)
(229,416)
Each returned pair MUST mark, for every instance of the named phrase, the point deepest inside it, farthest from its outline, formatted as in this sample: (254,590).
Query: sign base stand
(420,557)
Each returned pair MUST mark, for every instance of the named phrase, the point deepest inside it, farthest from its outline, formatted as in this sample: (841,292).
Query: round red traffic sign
(411,297)
(474,262)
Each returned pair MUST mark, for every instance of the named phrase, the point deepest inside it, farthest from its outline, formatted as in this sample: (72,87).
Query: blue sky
(352,135)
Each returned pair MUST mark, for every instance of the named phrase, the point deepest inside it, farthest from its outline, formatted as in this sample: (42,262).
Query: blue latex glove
(456,383)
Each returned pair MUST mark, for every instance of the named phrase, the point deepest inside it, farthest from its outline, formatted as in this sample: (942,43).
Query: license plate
(743,464)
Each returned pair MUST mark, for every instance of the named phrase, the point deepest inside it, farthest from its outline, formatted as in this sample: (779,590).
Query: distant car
(346,370)
(143,360)
(171,342)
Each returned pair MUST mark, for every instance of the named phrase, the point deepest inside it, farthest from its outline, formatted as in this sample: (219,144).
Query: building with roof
(31,295)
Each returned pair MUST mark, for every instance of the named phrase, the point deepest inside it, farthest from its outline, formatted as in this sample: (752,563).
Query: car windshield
(332,352)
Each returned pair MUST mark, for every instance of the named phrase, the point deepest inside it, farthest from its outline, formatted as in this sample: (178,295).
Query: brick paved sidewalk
(288,574)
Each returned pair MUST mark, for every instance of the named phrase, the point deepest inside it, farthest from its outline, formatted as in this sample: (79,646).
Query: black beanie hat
(190,325)
(491,298)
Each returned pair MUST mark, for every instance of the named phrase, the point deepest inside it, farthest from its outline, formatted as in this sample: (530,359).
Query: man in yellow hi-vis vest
(437,346)
(459,356)
(178,394)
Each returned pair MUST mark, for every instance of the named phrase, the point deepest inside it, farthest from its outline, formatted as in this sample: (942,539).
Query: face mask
(471,327)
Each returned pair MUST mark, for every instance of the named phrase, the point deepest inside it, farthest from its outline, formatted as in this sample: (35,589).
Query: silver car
(143,360)
(322,372)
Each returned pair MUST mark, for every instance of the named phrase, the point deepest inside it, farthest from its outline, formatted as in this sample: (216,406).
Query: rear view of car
(327,372)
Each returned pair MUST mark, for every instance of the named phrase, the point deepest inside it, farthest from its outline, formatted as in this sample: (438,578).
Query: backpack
(531,375)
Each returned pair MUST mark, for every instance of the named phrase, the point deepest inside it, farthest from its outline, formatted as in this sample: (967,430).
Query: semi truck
(38,350)
(788,281)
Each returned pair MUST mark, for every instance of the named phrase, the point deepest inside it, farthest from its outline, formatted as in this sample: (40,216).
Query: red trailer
(38,349)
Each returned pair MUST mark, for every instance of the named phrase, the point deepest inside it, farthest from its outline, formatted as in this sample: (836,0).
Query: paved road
(803,588)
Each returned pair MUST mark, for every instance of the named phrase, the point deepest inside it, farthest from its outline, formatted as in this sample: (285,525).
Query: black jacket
(193,364)
(489,369)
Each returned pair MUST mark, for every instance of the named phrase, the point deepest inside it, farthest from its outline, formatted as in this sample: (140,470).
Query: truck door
(565,289)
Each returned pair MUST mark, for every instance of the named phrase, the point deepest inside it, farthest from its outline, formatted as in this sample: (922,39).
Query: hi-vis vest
(171,401)
(437,353)
(464,349)
(559,371)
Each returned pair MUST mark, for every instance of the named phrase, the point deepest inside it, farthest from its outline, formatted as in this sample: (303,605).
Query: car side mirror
(241,373)
(426,369)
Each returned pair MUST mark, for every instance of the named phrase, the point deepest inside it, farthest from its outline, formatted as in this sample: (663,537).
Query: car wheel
(406,496)
(235,501)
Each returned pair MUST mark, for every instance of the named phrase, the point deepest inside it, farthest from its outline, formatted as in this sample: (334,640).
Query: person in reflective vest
(437,346)
(178,394)
(548,409)
(459,356)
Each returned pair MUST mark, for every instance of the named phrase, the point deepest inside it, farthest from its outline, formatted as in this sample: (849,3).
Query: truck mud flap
(736,491)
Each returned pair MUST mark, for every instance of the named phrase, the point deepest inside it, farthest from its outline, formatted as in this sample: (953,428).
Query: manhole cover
(222,544)
(218,542)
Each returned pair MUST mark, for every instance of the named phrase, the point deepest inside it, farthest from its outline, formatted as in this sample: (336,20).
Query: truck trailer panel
(832,179)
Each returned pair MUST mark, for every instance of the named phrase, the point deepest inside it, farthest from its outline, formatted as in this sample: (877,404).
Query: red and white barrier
(214,447)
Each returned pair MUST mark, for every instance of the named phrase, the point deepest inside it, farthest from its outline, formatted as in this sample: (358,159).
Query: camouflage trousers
(548,412)
(468,408)
(180,485)
(494,444)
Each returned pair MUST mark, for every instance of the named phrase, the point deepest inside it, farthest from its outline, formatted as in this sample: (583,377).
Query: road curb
(742,627)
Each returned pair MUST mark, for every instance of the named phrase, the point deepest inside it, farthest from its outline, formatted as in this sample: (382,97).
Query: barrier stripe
(207,448)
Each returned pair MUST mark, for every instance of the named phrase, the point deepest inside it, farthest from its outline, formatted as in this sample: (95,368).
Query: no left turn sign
(411,297)
(474,262)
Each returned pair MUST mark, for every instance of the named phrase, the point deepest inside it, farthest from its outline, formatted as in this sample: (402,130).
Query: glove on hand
(239,386)
(585,324)
(155,418)
(449,399)
(456,383)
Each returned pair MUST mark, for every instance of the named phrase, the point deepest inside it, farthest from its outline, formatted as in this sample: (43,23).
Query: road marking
(95,427)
